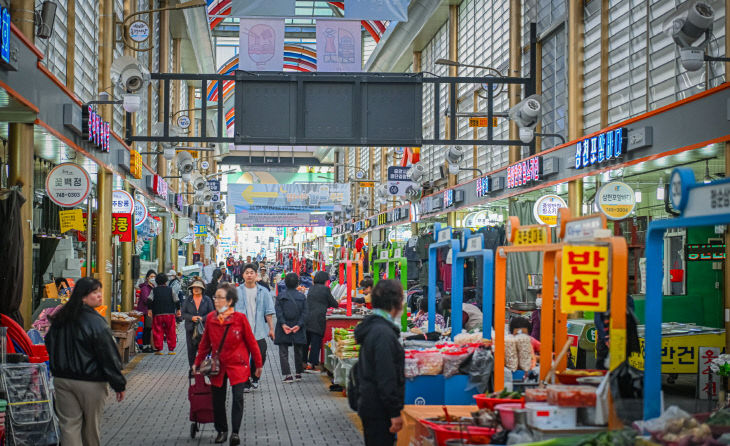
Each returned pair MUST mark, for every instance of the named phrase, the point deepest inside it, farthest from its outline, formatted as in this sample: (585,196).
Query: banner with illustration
(285,198)
(261,45)
(339,45)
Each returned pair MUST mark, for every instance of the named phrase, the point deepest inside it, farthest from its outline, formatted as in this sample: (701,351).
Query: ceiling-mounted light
(708,178)
(637,196)
(660,189)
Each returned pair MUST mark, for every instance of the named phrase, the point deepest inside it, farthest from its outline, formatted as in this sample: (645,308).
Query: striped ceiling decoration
(218,9)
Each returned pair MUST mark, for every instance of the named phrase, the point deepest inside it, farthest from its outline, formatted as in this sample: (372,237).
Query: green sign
(591,334)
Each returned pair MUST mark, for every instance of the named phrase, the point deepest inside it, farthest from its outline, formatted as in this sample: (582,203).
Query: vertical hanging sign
(339,45)
(261,44)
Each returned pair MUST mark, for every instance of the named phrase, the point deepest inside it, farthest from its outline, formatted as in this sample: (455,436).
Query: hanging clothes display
(11,266)
(411,254)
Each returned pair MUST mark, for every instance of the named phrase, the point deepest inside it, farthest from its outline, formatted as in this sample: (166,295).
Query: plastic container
(429,362)
(572,396)
(548,417)
(536,395)
(448,431)
(507,414)
(484,402)
(571,378)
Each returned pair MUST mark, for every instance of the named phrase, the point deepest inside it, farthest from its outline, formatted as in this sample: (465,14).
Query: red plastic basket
(484,402)
(447,431)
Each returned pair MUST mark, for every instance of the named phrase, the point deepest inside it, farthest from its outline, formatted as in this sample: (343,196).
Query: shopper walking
(319,299)
(264,277)
(84,360)
(256,303)
(228,336)
(194,310)
(212,286)
(164,307)
(291,312)
(143,307)
(381,366)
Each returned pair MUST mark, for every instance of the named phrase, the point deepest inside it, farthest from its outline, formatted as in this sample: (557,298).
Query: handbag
(198,329)
(211,366)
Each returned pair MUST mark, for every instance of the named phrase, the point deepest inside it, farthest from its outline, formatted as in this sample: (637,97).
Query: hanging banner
(584,281)
(616,200)
(546,208)
(122,202)
(293,219)
(396,10)
(140,213)
(71,219)
(285,198)
(339,46)
(122,226)
(68,184)
(262,8)
(81,235)
(261,45)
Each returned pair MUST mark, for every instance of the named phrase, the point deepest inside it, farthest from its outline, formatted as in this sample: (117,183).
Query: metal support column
(106,54)
(20,172)
(575,94)
(515,68)
(104,261)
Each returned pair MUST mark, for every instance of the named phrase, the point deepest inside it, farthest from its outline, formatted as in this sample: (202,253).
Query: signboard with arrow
(301,197)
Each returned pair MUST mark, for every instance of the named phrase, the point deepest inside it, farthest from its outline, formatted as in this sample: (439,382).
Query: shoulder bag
(211,366)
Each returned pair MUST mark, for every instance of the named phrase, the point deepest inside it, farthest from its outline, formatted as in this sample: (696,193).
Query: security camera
(129,74)
(184,163)
(527,112)
(203,196)
(455,154)
(218,206)
(526,134)
(168,153)
(363,201)
(198,182)
(691,28)
(131,103)
(186,177)
(417,173)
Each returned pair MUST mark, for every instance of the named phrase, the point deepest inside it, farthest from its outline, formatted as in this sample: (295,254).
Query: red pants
(163,326)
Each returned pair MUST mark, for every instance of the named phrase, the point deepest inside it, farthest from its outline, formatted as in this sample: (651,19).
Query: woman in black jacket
(319,299)
(291,312)
(213,285)
(381,366)
(84,360)
(194,310)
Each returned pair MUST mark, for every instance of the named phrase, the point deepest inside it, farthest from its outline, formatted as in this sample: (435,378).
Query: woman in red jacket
(228,334)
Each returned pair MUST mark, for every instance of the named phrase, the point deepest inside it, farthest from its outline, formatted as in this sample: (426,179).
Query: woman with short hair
(228,336)
(291,312)
(319,299)
(84,361)
(195,309)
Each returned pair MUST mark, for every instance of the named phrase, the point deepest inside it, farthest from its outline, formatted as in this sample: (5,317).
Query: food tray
(571,378)
(484,402)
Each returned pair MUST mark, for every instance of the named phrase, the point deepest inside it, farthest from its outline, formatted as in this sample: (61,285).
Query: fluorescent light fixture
(660,189)
(708,178)
(637,196)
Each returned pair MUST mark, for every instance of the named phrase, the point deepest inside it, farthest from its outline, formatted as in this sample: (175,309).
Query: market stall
(395,266)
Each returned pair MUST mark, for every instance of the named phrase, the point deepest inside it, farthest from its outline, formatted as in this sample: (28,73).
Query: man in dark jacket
(381,366)
(291,312)
(319,299)
(164,308)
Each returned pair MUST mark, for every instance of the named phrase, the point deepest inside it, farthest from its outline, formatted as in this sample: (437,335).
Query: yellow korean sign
(680,354)
(135,164)
(367,184)
(482,122)
(71,219)
(531,236)
(584,279)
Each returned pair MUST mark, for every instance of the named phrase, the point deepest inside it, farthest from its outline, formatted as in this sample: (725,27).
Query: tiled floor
(155,411)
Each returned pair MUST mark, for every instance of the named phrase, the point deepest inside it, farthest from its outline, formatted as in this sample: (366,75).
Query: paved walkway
(155,411)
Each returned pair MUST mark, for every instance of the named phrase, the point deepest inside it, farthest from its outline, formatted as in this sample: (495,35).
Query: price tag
(474,244)
(384,254)
(398,253)
(531,236)
(444,235)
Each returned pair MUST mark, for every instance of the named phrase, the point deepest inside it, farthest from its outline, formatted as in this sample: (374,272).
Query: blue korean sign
(600,148)
(5,35)
(482,186)
(397,173)
(214,185)
(201,230)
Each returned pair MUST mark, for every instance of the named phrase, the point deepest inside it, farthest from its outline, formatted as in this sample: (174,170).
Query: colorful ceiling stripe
(217,9)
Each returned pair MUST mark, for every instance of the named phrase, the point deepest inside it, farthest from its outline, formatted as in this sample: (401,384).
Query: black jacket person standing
(381,365)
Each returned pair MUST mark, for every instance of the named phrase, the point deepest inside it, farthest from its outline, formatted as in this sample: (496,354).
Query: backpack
(353,383)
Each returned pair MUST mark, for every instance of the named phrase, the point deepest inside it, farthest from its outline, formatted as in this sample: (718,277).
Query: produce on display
(524,352)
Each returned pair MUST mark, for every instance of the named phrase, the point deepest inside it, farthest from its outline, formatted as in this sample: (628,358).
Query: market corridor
(156,409)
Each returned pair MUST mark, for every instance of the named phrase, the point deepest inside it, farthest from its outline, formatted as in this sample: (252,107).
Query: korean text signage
(71,219)
(600,148)
(135,164)
(68,184)
(5,35)
(531,236)
(139,31)
(482,186)
(524,173)
(140,213)
(448,198)
(682,354)
(584,282)
(382,218)
(95,129)
(546,208)
(616,200)
(122,202)
(201,230)
(159,186)
(713,252)
(122,226)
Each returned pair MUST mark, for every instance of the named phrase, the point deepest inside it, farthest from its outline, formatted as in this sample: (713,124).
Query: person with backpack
(176,285)
(377,381)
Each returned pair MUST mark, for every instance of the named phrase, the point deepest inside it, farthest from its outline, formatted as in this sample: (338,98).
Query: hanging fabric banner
(261,45)
(263,8)
(339,45)
(396,10)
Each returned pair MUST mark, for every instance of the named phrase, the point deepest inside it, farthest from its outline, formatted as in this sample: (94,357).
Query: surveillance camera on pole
(198,181)
(363,201)
(130,75)
(691,29)
(131,103)
(185,164)
(454,156)
(418,173)
(526,114)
